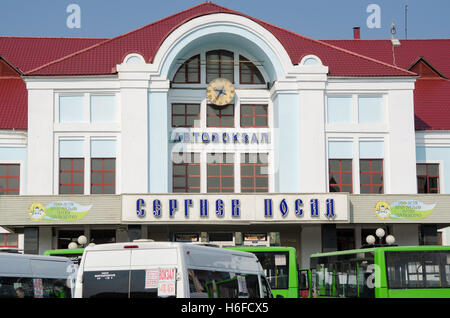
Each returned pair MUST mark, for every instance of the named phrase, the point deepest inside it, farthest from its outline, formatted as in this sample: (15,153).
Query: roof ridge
(340,49)
(49,37)
(230,11)
(111,39)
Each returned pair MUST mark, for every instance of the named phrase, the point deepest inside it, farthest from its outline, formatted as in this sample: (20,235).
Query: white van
(34,276)
(166,269)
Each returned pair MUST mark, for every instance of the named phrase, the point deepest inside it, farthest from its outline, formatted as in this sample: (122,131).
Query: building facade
(214,126)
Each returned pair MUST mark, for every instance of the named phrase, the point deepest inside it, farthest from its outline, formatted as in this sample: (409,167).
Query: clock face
(220,91)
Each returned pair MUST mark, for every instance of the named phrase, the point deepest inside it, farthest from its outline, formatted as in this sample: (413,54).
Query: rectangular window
(186,172)
(340,109)
(103,176)
(371,175)
(71,109)
(276,267)
(103,109)
(254,172)
(370,110)
(427,178)
(9,240)
(220,116)
(340,174)
(71,176)
(189,72)
(10,179)
(185,115)
(220,172)
(254,116)
(219,64)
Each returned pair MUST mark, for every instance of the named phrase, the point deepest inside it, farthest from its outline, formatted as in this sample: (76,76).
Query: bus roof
(261,248)
(385,248)
(64,251)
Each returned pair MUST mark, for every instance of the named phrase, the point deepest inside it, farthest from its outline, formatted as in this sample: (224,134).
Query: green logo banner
(403,209)
(58,211)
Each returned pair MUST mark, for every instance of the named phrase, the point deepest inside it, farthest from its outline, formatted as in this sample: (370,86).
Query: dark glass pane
(194,182)
(179,170)
(433,183)
(194,170)
(213,121)
(377,165)
(179,182)
(421,185)
(364,165)
(180,121)
(365,178)
(13,171)
(106,284)
(262,182)
(15,192)
(335,178)
(78,178)
(261,110)
(213,182)
(78,164)
(346,165)
(228,182)
(377,178)
(64,189)
(227,110)
(180,76)
(432,170)
(2,183)
(65,164)
(365,189)
(178,109)
(193,109)
(347,178)
(261,122)
(96,178)
(227,121)
(227,170)
(3,170)
(246,110)
(109,189)
(348,189)
(261,170)
(13,183)
(334,165)
(110,178)
(246,121)
(421,170)
(213,110)
(96,189)
(213,170)
(246,170)
(110,164)
(77,190)
(97,164)
(247,182)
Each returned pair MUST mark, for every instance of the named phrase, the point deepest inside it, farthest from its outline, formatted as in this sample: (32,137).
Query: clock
(220,91)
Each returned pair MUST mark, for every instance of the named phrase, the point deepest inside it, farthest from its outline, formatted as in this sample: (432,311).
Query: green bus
(280,266)
(73,254)
(381,272)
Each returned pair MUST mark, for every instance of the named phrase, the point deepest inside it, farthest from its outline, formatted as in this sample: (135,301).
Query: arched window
(189,71)
(249,73)
(219,63)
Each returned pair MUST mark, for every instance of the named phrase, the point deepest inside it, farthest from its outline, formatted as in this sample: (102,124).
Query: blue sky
(320,19)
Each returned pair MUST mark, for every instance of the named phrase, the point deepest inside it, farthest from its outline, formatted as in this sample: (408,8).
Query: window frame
(220,52)
(254,176)
(8,177)
(71,184)
(186,176)
(220,116)
(427,176)
(341,172)
(103,171)
(186,73)
(253,68)
(220,188)
(371,173)
(254,115)
(186,115)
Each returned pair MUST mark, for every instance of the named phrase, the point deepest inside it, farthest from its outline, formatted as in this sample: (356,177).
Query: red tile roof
(27,53)
(13,103)
(80,56)
(431,96)
(101,58)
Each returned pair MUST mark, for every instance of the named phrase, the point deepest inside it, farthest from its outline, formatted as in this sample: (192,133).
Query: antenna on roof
(406,20)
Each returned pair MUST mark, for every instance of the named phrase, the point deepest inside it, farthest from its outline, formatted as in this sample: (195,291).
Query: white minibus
(168,269)
(34,276)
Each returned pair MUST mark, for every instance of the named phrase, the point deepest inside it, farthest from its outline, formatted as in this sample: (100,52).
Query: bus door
(304,283)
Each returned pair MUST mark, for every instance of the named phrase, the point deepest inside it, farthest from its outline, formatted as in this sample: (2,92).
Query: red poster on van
(166,282)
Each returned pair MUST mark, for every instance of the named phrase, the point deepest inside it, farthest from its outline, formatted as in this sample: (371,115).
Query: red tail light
(131,246)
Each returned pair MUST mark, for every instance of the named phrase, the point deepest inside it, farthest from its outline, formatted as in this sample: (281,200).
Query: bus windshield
(418,269)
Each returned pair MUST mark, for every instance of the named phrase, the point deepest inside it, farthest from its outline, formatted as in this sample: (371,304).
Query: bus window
(366,276)
(106,284)
(276,268)
(15,287)
(303,283)
(418,269)
(214,284)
